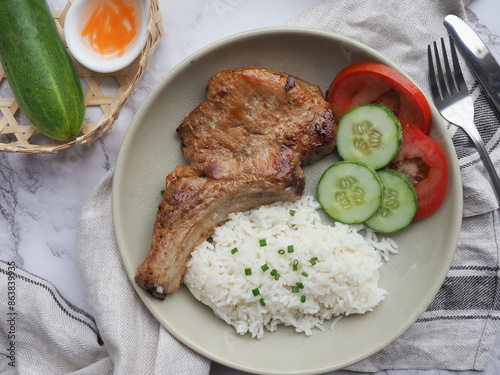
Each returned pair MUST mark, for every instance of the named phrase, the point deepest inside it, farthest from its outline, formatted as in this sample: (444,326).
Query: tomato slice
(371,82)
(424,163)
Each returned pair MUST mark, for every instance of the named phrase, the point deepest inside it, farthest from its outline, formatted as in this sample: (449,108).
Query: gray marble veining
(41,195)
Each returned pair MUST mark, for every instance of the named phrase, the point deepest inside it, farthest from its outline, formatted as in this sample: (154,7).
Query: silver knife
(481,61)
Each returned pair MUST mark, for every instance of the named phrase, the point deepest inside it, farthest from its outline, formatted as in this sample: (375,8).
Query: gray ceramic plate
(151,150)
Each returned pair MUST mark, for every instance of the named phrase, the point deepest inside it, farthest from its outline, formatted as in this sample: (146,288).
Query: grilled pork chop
(245,145)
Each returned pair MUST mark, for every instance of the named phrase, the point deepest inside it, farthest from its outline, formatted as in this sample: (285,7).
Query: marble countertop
(41,196)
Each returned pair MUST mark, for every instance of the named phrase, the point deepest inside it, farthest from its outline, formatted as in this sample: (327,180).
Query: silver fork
(454,102)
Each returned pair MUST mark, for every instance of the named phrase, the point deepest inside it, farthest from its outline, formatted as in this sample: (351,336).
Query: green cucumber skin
(403,215)
(326,196)
(378,158)
(39,69)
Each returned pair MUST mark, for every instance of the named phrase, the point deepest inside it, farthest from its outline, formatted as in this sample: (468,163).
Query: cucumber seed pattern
(390,203)
(366,137)
(350,193)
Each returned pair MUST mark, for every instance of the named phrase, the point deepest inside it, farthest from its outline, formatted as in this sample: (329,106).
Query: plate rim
(239,37)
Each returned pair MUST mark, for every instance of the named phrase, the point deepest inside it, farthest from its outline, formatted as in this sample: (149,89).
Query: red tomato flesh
(371,82)
(424,163)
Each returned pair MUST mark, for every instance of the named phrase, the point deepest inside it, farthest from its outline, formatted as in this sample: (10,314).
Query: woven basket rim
(111,105)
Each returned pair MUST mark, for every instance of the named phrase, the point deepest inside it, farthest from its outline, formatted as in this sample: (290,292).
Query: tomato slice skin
(431,184)
(369,82)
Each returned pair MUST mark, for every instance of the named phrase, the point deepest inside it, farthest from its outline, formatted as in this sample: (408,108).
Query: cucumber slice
(369,133)
(399,204)
(350,192)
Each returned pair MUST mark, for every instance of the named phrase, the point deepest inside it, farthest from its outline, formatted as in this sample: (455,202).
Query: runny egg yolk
(112,25)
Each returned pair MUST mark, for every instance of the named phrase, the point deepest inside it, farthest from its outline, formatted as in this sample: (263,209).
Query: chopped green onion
(162,192)
(291,212)
(234,250)
(281,251)
(314,260)
(262,303)
(274,272)
(210,239)
(300,285)
(295,289)
(265,267)
(290,249)
(305,274)
(303,299)
(263,242)
(295,264)
(248,271)
(256,291)
(277,277)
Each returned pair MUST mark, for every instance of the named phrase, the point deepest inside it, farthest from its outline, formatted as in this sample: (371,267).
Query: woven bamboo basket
(18,135)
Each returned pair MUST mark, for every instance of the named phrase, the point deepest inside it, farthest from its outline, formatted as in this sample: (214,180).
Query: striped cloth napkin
(459,328)
(456,332)
(51,336)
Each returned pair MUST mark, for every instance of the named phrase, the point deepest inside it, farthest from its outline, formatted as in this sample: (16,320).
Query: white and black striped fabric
(459,328)
(456,332)
(39,325)
(53,337)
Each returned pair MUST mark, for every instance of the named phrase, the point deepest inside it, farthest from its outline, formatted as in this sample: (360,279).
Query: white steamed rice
(343,281)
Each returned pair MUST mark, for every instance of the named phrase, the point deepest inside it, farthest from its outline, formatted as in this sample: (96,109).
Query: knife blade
(479,58)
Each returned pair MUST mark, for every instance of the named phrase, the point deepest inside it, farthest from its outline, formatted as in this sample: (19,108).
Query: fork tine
(440,75)
(449,76)
(459,78)
(432,74)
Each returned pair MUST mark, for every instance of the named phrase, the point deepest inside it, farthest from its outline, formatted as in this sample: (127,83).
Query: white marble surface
(41,195)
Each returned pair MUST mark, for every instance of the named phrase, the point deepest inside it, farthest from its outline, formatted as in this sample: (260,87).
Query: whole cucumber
(39,69)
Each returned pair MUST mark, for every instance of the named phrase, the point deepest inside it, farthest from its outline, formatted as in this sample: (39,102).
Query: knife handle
(479,58)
